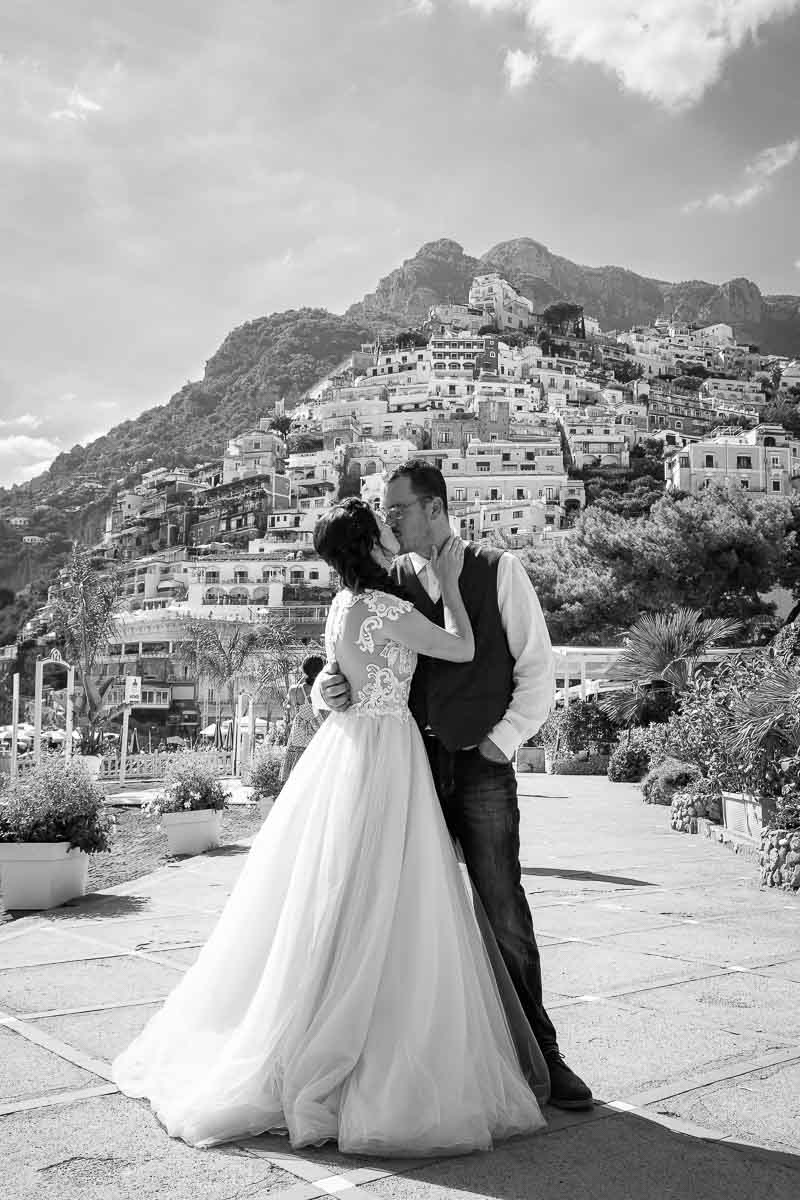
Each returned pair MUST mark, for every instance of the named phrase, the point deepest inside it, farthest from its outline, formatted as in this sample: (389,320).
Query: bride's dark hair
(344,537)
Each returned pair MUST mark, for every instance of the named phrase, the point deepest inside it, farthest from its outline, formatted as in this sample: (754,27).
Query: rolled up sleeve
(534,669)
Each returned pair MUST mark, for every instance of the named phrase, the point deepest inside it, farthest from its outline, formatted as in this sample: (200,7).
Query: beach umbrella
(218,735)
(227,736)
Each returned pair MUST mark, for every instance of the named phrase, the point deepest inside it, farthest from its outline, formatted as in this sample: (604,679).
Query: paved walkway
(674,983)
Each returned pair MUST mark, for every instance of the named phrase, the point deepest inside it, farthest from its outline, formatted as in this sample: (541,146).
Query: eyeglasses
(395,511)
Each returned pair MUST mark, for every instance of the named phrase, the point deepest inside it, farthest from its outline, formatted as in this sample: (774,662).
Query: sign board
(133,689)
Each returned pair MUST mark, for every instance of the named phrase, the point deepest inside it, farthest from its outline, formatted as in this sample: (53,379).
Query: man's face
(408,516)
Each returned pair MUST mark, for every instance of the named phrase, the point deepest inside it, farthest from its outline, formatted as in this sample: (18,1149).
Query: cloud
(24,420)
(670,51)
(423,8)
(78,108)
(760,170)
(520,68)
(22,457)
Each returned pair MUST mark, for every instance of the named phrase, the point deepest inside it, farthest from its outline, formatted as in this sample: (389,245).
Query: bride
(346,991)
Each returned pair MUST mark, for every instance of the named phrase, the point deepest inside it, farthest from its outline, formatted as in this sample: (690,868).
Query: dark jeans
(479,802)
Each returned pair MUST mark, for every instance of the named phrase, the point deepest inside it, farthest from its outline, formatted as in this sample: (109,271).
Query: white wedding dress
(345,992)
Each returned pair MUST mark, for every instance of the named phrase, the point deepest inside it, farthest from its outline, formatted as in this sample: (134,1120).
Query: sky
(172,168)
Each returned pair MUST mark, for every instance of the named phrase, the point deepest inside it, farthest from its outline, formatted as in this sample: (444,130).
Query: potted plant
(191,803)
(52,817)
(265,777)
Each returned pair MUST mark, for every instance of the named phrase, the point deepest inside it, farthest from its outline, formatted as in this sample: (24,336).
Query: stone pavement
(673,981)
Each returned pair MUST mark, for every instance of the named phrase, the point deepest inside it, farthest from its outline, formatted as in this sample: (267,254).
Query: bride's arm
(454,643)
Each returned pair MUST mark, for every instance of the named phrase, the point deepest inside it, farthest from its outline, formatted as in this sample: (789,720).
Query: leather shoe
(567,1090)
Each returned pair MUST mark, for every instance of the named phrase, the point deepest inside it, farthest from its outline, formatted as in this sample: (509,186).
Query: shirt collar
(418,562)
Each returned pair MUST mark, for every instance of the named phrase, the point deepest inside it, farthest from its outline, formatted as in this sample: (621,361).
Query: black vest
(462,702)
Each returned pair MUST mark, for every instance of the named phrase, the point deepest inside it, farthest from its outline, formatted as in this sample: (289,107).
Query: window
(519,494)
(494,493)
(494,516)
(745,483)
(684,460)
(709,462)
(516,516)
(505,457)
(776,462)
(744,462)
(483,466)
(459,493)
(776,485)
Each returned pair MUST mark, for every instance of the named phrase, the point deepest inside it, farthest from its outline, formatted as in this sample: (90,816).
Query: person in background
(303,721)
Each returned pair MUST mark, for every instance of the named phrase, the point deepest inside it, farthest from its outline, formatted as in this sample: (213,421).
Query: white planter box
(192,831)
(742,814)
(41,874)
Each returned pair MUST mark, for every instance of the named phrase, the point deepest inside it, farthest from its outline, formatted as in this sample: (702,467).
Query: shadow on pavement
(587,876)
(97,904)
(610,1156)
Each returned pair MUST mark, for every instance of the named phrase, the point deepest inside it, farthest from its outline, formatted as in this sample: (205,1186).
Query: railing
(154,766)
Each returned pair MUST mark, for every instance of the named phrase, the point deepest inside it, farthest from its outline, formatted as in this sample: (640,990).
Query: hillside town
(514,408)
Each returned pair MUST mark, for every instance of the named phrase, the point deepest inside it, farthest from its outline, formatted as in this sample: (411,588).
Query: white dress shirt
(529,642)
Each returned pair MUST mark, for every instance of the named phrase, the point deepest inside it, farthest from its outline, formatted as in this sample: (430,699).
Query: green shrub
(191,782)
(56,801)
(663,781)
(593,764)
(265,775)
(581,725)
(628,763)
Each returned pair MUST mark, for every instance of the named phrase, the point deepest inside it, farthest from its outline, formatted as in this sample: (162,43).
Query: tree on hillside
(782,411)
(715,552)
(562,317)
(626,372)
(83,619)
(281,425)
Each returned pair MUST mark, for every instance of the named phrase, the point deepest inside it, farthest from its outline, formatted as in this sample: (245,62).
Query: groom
(473,716)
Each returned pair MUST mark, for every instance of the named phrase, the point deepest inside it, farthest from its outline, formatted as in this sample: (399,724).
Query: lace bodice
(358,635)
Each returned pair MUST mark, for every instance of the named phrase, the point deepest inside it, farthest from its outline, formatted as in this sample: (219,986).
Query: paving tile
(44,945)
(603,968)
(723,942)
(70,985)
(785,970)
(623,1158)
(181,955)
(28,1070)
(744,1002)
(114,1149)
(616,1050)
(763,1106)
(154,933)
(593,919)
(102,1033)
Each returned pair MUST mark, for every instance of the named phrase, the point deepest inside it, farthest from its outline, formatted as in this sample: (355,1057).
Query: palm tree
(233,656)
(660,659)
(769,718)
(83,619)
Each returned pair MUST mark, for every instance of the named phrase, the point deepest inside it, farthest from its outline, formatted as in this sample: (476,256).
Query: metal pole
(68,717)
(14,723)
(123,749)
(37,713)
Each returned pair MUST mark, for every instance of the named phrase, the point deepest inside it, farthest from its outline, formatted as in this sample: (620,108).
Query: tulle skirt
(346,992)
